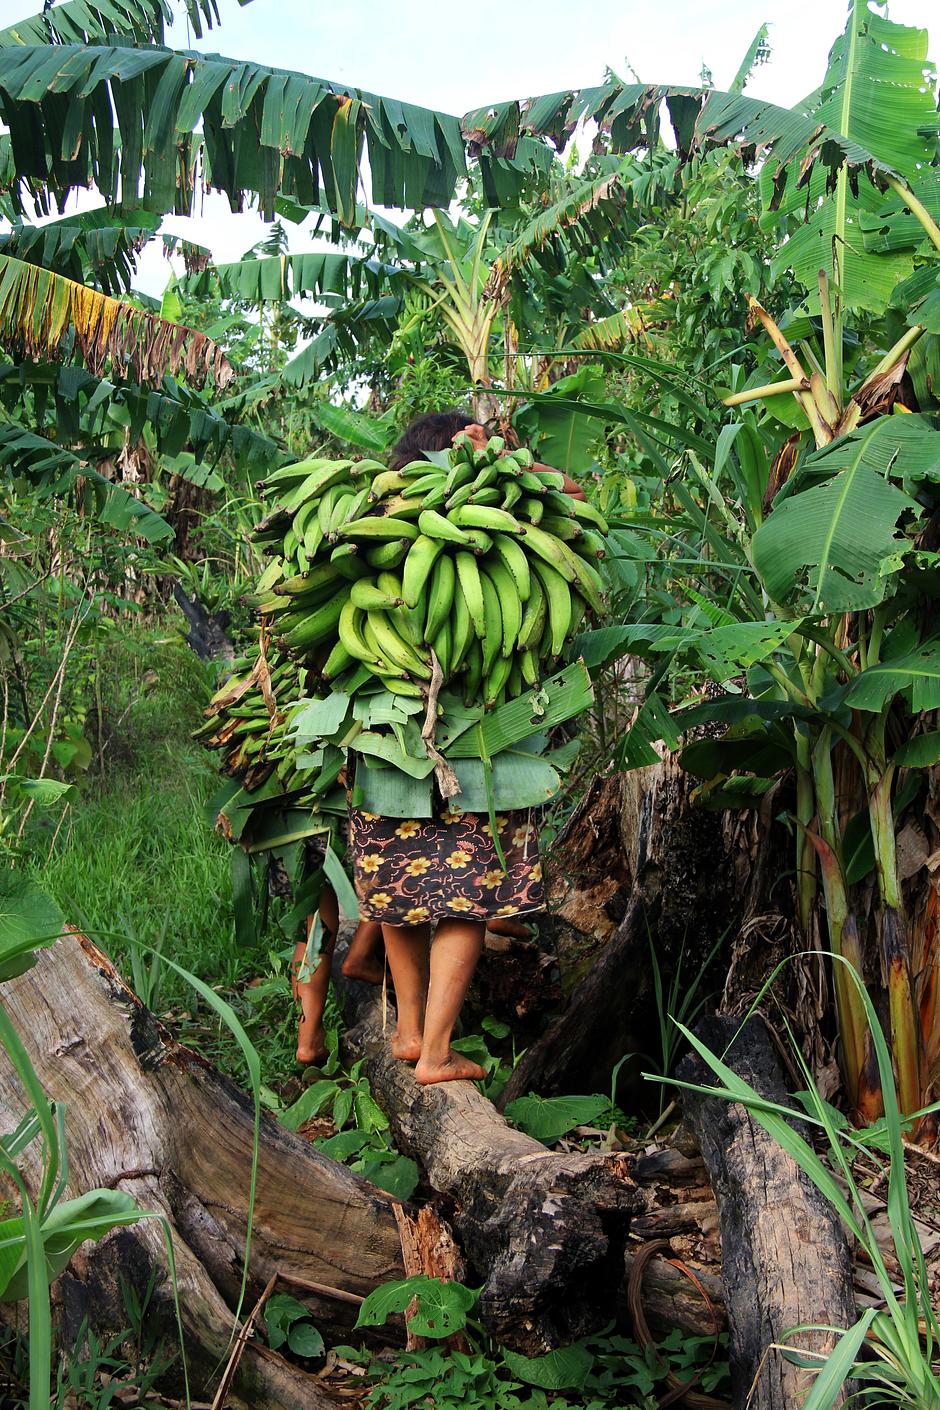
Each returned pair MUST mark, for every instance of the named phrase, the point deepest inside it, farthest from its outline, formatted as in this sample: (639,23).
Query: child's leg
(454,954)
(312,991)
(407,949)
(363,958)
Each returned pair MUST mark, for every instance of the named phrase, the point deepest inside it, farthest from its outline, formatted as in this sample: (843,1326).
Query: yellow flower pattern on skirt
(412,870)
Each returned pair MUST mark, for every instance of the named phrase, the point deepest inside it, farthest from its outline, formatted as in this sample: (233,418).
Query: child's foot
(404,1048)
(311,1044)
(367,968)
(454,1068)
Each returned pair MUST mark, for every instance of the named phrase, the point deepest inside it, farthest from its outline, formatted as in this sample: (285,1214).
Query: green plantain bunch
(476,565)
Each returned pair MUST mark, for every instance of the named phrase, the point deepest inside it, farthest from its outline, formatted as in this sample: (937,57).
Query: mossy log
(152,1118)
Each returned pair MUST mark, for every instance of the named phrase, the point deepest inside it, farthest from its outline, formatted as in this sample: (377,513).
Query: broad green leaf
(566,1368)
(398,1177)
(29,920)
(549,1118)
(878,90)
(382,746)
(369,432)
(309,1104)
(44,791)
(519,781)
(304,1340)
(919,752)
(825,549)
(318,719)
(388,792)
(916,676)
(337,877)
(68,1225)
(441,1307)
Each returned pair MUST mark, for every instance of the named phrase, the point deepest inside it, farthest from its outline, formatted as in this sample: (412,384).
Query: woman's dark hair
(432,432)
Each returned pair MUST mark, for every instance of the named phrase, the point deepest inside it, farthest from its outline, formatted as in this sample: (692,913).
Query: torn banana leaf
(380,746)
(560,698)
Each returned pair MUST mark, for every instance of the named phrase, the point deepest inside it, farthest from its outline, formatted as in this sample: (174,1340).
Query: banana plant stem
(916,208)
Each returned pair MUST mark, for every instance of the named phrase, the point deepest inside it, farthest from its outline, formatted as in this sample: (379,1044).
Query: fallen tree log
(544,1232)
(785,1259)
(152,1118)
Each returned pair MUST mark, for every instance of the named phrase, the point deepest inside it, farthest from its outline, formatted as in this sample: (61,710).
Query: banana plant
(820,628)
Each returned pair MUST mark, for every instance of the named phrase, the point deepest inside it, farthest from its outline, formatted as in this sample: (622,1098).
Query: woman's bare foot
(404,1048)
(454,1068)
(368,968)
(311,1044)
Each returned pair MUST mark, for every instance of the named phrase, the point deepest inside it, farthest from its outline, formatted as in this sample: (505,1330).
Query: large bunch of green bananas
(473,563)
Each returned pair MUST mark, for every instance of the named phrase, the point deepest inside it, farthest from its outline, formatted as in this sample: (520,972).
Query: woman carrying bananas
(442,876)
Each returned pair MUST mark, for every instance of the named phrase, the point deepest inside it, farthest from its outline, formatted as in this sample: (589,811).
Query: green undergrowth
(137,866)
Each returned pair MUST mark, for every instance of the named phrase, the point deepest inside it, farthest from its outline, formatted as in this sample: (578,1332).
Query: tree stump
(150,1117)
(785,1259)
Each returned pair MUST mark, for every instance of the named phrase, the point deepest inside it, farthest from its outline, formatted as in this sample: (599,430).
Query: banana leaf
(520,780)
(389,793)
(562,697)
(380,746)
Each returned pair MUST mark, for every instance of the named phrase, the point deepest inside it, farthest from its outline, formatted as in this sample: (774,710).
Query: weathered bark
(544,1232)
(150,1117)
(785,1260)
(668,871)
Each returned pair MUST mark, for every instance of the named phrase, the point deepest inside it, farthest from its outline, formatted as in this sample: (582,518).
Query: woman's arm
(570,486)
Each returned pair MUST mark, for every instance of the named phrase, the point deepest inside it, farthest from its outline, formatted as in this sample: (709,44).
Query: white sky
(459,56)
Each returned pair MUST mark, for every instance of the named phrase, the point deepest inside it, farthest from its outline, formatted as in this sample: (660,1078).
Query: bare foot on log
(368,968)
(454,1068)
(404,1048)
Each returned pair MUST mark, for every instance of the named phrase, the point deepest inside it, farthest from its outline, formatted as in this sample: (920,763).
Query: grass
(136,859)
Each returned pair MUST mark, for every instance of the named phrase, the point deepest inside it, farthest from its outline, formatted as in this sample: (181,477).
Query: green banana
(373,527)
(558,598)
(510,603)
(442,646)
(551,550)
(512,493)
(533,618)
(588,513)
(474,674)
(479,542)
(512,554)
(564,528)
(436,526)
(493,622)
(468,576)
(591,541)
(393,647)
(422,555)
(531,508)
(387,482)
(320,479)
(339,660)
(370,597)
(495,680)
(440,597)
(352,634)
(317,626)
(348,560)
(529,666)
(487,517)
(463,630)
(398,685)
(387,555)
(346,508)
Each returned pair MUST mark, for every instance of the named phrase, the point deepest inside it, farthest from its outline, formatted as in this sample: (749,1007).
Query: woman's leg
(407,949)
(363,958)
(454,954)
(312,989)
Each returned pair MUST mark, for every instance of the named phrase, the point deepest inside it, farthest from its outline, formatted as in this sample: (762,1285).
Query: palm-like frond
(88,21)
(266,131)
(85,406)
(91,21)
(52,470)
(280,277)
(38,309)
(92,247)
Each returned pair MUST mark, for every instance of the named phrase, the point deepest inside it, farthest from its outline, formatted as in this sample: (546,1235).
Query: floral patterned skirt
(408,871)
